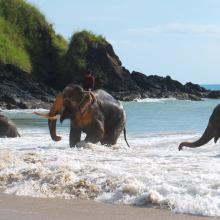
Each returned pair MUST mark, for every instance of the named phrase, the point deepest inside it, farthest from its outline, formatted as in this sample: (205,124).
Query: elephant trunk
(55,109)
(206,137)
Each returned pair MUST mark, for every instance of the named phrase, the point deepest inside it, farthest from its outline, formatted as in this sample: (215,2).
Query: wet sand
(22,208)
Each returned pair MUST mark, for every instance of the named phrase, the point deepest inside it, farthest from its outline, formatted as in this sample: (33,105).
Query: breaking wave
(152,172)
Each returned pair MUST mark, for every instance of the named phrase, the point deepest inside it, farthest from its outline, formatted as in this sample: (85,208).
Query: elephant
(96,113)
(7,128)
(211,131)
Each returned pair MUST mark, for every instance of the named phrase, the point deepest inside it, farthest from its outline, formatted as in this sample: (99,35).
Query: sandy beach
(14,207)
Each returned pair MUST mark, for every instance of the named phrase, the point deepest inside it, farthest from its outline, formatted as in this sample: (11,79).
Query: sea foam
(150,173)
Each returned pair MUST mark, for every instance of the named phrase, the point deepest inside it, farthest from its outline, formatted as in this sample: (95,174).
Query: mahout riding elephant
(97,114)
(7,128)
(211,131)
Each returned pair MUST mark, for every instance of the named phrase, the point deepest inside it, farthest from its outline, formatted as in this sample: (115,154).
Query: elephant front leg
(75,136)
(95,133)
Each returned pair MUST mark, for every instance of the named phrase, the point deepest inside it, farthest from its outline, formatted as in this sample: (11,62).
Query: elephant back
(104,97)
(110,107)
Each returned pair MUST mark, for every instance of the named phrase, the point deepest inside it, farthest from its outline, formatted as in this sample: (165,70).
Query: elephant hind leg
(114,127)
(111,136)
(95,133)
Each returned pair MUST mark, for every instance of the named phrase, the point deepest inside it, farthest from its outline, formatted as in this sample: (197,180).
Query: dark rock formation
(112,75)
(194,88)
(88,51)
(213,95)
(154,86)
(19,90)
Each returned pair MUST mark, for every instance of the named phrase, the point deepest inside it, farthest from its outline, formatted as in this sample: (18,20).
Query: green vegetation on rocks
(77,59)
(12,47)
(29,41)
(89,51)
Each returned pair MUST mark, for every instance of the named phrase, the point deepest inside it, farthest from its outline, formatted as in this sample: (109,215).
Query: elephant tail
(125,137)
(18,134)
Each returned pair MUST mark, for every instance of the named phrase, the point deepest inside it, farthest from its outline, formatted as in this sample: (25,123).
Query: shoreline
(20,207)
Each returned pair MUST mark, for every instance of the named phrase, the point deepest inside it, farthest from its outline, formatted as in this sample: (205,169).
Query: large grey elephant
(7,128)
(95,113)
(212,131)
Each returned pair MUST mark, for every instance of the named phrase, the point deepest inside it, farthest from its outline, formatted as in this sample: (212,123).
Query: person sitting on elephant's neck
(89,81)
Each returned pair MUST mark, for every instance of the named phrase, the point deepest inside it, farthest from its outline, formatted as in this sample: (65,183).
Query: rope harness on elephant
(90,100)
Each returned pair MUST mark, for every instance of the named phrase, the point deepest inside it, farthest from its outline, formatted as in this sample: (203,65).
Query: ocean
(212,87)
(150,173)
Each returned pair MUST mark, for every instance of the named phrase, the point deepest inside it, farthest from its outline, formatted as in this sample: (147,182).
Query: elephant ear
(71,105)
(67,103)
(87,100)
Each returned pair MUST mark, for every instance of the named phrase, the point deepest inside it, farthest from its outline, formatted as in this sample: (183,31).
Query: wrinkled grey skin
(212,131)
(108,119)
(7,128)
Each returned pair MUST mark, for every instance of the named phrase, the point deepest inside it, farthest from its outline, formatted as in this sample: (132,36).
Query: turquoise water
(168,116)
(212,87)
(149,116)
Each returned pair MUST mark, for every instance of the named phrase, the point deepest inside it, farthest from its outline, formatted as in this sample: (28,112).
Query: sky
(180,38)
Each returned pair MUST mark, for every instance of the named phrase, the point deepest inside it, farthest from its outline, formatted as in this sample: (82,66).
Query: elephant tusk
(46,116)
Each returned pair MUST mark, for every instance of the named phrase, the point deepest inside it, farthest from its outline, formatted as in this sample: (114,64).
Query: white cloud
(178,29)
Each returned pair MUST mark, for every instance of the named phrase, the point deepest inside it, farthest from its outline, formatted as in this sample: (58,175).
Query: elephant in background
(95,113)
(212,131)
(7,128)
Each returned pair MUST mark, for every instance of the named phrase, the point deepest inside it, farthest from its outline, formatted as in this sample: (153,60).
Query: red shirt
(89,82)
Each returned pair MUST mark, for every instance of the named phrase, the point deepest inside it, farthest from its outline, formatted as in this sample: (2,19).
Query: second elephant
(212,131)
(7,128)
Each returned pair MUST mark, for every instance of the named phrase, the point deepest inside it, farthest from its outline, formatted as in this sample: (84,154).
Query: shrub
(77,60)
(40,50)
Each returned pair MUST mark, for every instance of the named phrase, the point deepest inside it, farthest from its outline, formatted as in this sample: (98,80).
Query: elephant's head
(72,103)
(212,131)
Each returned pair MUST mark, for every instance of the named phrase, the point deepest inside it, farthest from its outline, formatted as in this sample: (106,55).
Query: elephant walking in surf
(7,128)
(97,114)
(212,131)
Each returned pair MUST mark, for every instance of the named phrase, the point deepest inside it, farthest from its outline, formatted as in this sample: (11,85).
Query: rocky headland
(36,63)
(19,89)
